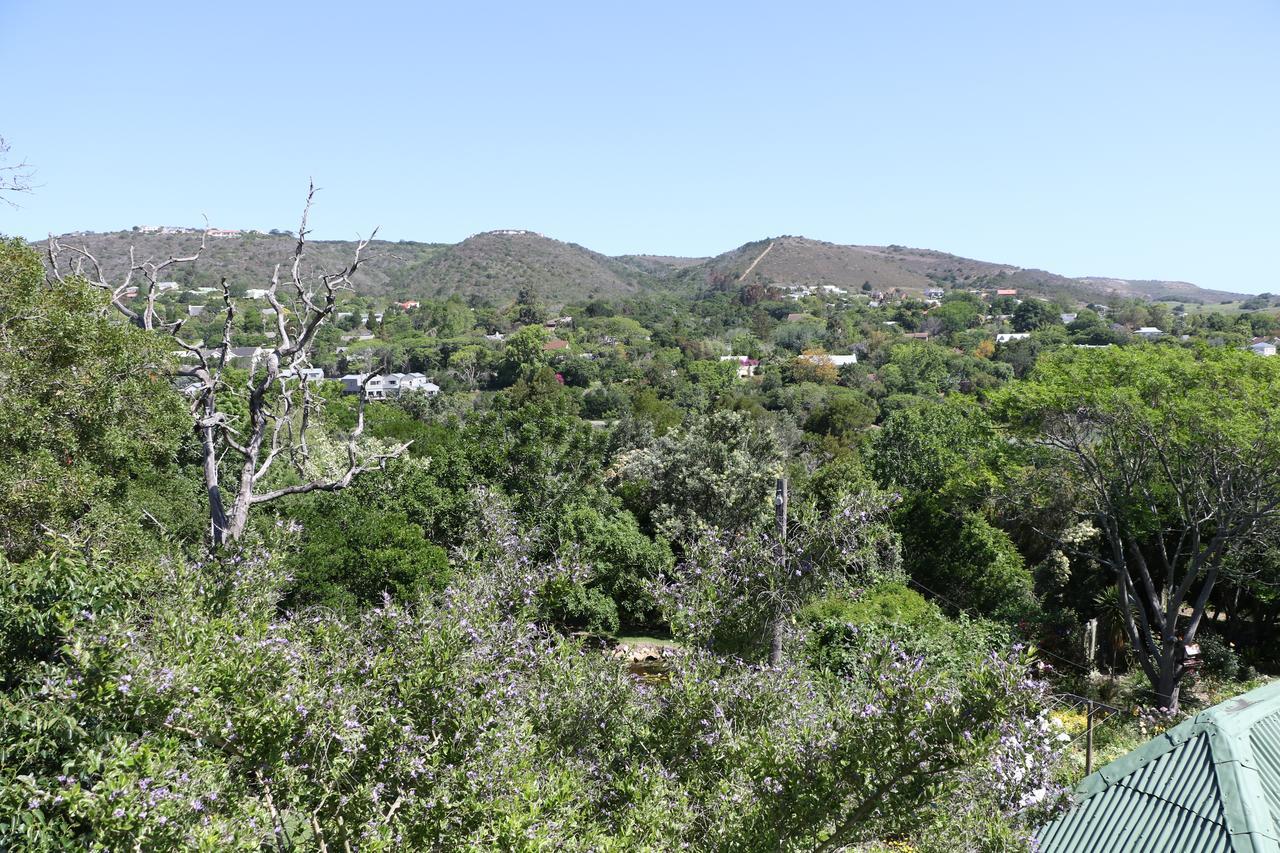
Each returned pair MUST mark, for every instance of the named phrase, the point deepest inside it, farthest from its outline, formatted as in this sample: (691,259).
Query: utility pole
(780,532)
(1088,738)
(1091,643)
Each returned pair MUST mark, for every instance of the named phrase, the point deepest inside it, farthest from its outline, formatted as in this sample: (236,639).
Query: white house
(1263,348)
(256,293)
(242,356)
(162,286)
(310,374)
(934,293)
(837,360)
(1149,332)
(1067,319)
(1005,337)
(389,386)
(746,365)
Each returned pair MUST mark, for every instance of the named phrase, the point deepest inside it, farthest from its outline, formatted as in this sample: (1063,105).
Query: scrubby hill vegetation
(496,265)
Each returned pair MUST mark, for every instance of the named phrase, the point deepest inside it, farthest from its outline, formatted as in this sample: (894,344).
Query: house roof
(1210,784)
(555,345)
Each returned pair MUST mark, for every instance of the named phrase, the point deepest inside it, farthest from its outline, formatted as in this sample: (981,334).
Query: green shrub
(354,557)
(574,606)
(1219,656)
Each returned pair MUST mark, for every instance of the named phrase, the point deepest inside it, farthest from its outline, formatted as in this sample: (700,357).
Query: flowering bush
(732,587)
(177,708)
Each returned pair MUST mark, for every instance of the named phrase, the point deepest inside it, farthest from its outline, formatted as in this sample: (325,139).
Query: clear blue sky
(1131,139)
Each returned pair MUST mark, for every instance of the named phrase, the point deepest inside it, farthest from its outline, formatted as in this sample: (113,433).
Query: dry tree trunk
(281,405)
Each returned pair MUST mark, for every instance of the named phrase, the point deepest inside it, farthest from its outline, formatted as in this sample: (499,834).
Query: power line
(963,610)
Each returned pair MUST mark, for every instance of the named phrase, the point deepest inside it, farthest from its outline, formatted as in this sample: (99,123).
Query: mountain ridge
(496,265)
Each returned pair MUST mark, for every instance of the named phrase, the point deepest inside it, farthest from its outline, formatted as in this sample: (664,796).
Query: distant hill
(250,259)
(799,260)
(1164,291)
(495,265)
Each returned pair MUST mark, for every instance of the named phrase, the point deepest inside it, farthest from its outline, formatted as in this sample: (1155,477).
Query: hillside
(799,260)
(250,259)
(497,265)
(1165,291)
(494,266)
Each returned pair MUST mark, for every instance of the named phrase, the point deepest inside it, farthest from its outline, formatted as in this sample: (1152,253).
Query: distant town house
(238,356)
(1265,348)
(827,358)
(555,345)
(387,386)
(308,374)
(746,365)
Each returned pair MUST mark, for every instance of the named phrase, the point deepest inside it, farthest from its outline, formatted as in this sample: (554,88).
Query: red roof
(554,345)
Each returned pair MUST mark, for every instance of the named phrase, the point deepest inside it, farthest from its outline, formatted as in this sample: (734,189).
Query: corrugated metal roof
(1208,785)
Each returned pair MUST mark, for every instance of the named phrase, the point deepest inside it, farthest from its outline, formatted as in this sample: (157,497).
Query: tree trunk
(1168,684)
(217,514)
(780,498)
(775,643)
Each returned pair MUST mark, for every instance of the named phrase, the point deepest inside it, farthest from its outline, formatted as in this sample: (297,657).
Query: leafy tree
(957,315)
(87,417)
(469,364)
(813,366)
(718,471)
(1173,456)
(523,353)
(351,555)
(844,416)
(946,458)
(960,556)
(623,562)
(1032,314)
(915,368)
(949,449)
(529,311)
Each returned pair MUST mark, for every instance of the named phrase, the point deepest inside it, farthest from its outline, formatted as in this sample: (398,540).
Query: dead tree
(282,404)
(14,177)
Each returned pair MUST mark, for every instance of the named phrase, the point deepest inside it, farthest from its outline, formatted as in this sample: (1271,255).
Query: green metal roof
(1209,785)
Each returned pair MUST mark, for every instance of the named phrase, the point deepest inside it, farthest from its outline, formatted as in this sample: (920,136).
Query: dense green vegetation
(421,657)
